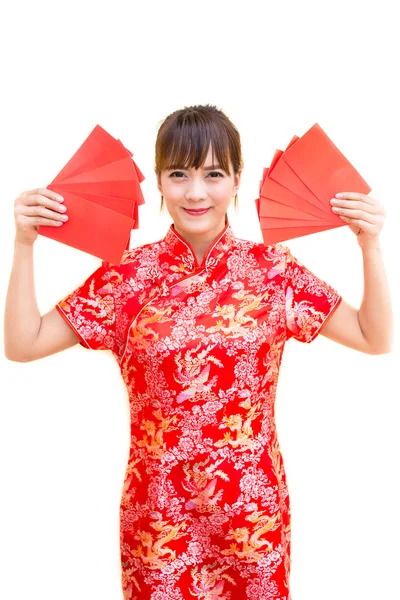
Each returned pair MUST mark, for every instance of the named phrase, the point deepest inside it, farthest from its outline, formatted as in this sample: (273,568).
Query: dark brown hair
(185,135)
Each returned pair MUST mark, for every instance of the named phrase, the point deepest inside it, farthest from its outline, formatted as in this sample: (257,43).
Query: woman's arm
(369,329)
(27,335)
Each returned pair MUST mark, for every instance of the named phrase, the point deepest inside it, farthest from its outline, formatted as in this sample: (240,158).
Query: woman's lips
(197,211)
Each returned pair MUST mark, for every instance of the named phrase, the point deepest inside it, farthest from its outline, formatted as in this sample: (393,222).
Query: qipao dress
(205,509)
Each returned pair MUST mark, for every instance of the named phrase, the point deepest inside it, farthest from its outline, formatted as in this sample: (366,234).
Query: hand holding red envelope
(101,189)
(297,187)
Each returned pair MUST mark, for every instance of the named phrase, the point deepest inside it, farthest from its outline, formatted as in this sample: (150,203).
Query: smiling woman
(198,164)
(198,322)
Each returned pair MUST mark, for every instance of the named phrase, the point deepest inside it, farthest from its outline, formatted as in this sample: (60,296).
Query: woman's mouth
(197,211)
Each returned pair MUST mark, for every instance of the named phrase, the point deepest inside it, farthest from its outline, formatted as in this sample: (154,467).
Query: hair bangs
(186,143)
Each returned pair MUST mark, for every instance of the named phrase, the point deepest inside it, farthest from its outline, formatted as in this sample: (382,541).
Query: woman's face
(209,188)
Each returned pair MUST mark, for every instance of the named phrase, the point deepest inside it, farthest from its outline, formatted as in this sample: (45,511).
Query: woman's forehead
(210,162)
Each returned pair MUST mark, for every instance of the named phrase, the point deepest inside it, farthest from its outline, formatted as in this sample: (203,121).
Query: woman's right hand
(34,208)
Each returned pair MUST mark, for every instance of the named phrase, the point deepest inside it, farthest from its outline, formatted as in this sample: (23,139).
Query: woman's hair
(185,135)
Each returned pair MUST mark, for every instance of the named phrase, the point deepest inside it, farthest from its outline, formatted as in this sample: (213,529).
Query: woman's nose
(196,190)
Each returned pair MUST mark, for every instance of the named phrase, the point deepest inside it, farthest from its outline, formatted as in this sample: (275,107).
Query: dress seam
(144,306)
(71,324)
(328,316)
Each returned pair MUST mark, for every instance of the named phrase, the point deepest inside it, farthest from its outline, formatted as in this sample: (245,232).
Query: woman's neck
(202,241)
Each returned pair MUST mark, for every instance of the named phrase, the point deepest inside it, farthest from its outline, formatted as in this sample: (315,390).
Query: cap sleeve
(309,301)
(89,310)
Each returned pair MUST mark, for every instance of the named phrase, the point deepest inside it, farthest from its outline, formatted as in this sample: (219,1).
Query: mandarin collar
(178,246)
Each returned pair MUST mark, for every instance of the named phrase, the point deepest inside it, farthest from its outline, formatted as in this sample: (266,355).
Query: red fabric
(205,509)
(310,301)
(89,310)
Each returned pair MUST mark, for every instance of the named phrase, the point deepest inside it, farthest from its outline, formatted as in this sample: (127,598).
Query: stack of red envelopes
(297,187)
(101,190)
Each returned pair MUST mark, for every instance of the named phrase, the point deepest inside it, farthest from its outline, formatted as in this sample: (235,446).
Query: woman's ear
(238,176)
(158,177)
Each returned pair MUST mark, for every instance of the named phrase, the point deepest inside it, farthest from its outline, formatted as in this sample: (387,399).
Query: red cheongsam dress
(205,509)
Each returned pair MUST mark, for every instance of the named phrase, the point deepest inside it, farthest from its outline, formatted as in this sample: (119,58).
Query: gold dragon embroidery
(141,334)
(131,472)
(155,553)
(244,439)
(251,543)
(237,316)
(153,439)
(272,363)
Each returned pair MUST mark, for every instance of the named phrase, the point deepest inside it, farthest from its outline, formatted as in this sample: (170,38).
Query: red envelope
(272,236)
(273,223)
(296,189)
(282,173)
(92,228)
(275,192)
(119,170)
(101,188)
(119,189)
(99,148)
(322,167)
(271,208)
(125,206)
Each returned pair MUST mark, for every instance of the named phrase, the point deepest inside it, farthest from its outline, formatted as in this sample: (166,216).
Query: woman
(198,322)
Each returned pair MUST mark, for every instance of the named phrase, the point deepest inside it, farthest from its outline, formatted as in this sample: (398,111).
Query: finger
(357,214)
(47,193)
(38,221)
(355,196)
(41,200)
(364,225)
(357,204)
(40,211)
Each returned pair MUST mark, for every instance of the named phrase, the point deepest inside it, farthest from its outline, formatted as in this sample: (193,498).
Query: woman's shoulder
(264,251)
(137,270)
(138,253)
(259,260)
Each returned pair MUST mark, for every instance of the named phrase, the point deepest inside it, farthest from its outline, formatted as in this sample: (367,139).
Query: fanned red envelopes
(296,188)
(101,189)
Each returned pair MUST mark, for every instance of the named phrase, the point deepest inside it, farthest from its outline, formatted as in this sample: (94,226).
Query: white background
(275,68)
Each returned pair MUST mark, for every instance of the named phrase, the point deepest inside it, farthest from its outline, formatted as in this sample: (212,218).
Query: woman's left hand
(364,215)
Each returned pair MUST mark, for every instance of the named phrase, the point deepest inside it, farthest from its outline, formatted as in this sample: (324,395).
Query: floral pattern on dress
(205,510)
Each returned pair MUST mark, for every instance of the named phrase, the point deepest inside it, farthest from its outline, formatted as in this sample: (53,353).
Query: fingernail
(60,198)
(340,195)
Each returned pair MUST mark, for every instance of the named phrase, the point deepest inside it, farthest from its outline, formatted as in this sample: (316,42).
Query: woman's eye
(179,173)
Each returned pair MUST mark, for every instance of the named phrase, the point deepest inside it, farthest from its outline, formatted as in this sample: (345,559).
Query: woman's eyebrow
(209,168)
